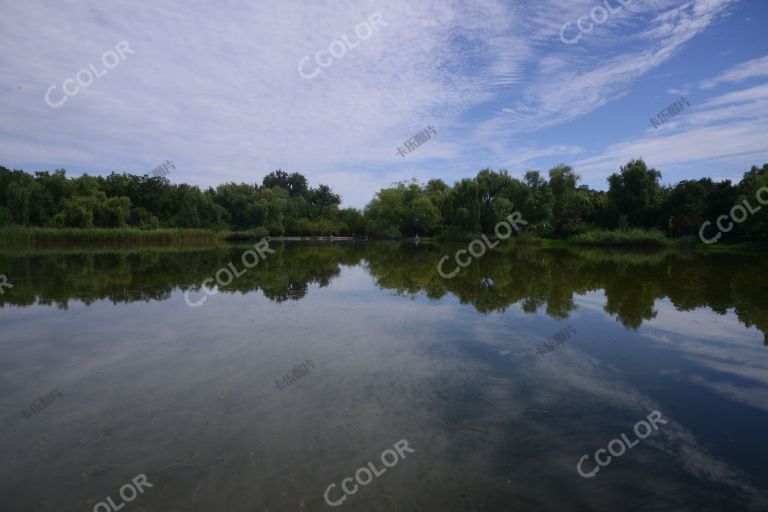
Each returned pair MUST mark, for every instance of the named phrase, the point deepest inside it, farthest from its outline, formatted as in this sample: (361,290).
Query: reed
(622,238)
(100,236)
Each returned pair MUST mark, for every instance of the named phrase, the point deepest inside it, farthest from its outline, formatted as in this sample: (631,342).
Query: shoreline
(20,237)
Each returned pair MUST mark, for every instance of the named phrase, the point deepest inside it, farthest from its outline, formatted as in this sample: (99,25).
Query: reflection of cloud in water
(702,323)
(351,279)
(495,426)
(721,344)
(592,300)
(604,386)
(563,414)
(718,342)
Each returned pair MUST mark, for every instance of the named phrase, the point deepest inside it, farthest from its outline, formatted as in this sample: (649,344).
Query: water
(392,351)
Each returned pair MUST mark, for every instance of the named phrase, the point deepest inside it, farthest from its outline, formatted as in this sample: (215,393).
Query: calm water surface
(190,396)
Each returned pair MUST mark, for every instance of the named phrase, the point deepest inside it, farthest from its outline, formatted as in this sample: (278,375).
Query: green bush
(106,236)
(622,238)
(5,216)
(245,235)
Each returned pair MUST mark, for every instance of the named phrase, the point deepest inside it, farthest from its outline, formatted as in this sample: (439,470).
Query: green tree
(567,203)
(635,194)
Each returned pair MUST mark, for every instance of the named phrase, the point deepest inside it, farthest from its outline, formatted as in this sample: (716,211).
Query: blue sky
(215,88)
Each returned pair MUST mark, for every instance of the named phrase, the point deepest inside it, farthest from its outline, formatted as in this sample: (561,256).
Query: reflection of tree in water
(549,279)
(58,278)
(538,280)
(288,273)
(748,285)
(145,275)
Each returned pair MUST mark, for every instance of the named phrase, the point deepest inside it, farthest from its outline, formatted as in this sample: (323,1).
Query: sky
(229,91)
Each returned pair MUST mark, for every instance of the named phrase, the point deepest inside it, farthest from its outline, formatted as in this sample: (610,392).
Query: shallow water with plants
(511,382)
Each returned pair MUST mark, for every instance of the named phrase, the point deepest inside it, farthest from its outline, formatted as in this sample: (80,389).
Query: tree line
(555,205)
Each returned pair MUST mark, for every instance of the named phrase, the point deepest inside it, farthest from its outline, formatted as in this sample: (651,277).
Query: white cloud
(215,88)
(751,69)
(732,124)
(574,83)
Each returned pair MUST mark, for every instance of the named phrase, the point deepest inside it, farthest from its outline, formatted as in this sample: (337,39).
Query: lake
(533,380)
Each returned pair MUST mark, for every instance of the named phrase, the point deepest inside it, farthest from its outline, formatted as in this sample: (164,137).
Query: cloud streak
(216,89)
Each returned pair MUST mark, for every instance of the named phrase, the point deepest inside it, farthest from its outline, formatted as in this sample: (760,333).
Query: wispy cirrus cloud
(215,88)
(574,83)
(755,68)
(721,127)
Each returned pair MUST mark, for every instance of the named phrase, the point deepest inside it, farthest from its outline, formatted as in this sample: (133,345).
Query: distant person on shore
(417,240)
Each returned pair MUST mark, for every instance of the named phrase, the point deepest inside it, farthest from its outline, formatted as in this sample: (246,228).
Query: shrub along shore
(103,236)
(18,237)
(121,236)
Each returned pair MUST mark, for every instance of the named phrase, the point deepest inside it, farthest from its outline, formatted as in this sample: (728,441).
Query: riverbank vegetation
(107,236)
(636,209)
(621,238)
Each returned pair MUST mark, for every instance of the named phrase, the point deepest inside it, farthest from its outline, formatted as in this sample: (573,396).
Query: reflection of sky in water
(188,397)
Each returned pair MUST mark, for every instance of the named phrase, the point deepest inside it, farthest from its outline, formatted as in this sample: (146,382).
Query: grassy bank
(760,246)
(129,237)
(597,238)
(106,237)
(244,236)
(622,238)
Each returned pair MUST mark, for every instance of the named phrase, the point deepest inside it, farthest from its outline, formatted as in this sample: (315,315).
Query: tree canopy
(285,204)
